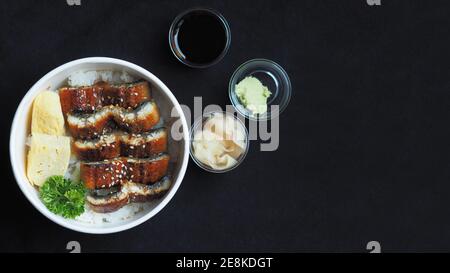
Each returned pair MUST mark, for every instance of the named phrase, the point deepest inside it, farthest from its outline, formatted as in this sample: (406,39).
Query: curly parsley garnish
(63,197)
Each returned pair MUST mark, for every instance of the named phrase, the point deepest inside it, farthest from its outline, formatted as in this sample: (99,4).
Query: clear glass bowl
(173,36)
(198,125)
(271,75)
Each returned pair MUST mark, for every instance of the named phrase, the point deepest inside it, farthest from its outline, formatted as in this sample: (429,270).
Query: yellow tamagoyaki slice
(47,117)
(48,155)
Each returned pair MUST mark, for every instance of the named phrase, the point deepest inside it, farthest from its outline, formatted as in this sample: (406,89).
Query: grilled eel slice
(109,173)
(122,144)
(87,99)
(139,120)
(127,193)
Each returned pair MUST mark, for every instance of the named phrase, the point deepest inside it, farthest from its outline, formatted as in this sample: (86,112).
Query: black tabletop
(364,152)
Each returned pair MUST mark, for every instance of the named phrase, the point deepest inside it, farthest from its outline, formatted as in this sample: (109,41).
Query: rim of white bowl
(25,185)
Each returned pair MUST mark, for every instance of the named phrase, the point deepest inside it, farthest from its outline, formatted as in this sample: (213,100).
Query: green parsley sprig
(63,197)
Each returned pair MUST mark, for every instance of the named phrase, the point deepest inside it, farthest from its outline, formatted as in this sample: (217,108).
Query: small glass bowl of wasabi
(258,87)
(219,142)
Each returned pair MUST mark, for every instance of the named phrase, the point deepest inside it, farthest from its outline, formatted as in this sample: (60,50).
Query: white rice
(83,78)
(126,213)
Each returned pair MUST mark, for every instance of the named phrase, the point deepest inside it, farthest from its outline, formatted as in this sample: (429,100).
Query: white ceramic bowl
(178,149)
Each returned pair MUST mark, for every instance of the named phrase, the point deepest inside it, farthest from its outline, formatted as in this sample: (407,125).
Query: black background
(365,141)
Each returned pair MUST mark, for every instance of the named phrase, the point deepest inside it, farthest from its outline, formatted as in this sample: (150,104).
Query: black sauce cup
(176,30)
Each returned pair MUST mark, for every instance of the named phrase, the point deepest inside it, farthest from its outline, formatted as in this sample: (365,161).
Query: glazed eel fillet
(139,120)
(87,99)
(122,144)
(127,193)
(108,173)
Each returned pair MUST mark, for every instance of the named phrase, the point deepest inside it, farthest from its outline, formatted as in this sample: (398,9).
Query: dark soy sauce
(201,37)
